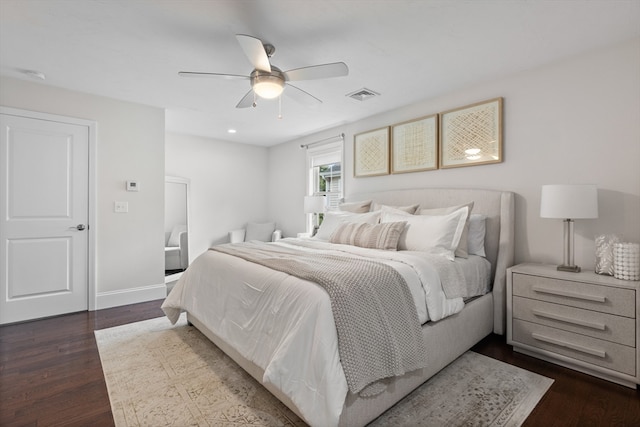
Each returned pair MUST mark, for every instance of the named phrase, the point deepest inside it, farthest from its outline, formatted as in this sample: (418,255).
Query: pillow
(374,236)
(356,207)
(462,250)
(387,212)
(439,234)
(261,232)
(332,220)
(408,209)
(477,231)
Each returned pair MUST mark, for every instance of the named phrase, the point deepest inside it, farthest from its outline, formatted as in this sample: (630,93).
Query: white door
(44,204)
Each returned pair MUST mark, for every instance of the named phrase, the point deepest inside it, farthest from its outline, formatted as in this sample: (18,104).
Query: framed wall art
(371,153)
(471,135)
(414,145)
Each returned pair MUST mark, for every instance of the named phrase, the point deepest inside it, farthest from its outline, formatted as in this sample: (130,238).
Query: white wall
(228,186)
(574,121)
(130,247)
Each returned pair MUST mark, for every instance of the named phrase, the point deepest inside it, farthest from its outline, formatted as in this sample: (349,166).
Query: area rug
(163,375)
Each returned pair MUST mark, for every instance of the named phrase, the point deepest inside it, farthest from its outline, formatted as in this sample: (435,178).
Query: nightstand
(583,321)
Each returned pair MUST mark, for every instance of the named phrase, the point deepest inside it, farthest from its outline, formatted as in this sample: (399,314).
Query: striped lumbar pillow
(374,236)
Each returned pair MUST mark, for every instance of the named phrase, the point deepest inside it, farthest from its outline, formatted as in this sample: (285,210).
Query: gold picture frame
(471,135)
(371,153)
(414,145)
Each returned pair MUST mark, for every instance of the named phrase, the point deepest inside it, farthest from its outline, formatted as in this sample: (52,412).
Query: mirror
(176,227)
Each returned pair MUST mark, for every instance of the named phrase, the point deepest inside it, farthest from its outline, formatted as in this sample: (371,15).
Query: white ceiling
(407,50)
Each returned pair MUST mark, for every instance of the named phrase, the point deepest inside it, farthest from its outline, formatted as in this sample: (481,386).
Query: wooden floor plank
(51,375)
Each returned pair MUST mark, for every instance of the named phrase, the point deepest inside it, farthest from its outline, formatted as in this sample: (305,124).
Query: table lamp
(314,205)
(569,202)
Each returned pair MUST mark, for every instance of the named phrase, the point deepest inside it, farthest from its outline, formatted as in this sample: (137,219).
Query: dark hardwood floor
(50,375)
(50,371)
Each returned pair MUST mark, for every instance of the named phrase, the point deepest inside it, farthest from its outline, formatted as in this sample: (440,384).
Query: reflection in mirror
(176,227)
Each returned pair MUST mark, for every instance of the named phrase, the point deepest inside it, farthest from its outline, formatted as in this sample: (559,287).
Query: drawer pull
(575,295)
(579,322)
(599,353)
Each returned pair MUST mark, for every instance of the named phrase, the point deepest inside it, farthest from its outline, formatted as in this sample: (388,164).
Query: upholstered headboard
(499,208)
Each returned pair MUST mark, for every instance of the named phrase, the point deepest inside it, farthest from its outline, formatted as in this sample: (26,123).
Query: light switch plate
(121,207)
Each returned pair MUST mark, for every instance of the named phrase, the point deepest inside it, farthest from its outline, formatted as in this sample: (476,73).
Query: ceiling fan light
(268,87)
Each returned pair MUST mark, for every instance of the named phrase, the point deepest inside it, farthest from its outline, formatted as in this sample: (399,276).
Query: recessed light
(231,131)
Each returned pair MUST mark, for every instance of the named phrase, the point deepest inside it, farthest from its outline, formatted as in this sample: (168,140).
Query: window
(325,175)
(328,182)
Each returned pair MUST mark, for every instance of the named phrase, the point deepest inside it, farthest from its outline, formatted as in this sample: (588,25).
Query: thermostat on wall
(132,185)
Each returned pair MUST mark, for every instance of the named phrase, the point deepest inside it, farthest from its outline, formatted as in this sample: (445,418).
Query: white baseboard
(172,277)
(130,296)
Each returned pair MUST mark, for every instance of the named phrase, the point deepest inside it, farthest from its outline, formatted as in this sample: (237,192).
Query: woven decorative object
(471,135)
(626,261)
(604,253)
(373,154)
(475,127)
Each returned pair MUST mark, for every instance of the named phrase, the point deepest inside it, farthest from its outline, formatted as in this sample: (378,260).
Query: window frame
(317,156)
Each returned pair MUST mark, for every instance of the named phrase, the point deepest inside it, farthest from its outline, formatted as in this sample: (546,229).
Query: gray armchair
(176,252)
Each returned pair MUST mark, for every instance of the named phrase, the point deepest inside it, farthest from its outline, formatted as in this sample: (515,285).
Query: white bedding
(249,306)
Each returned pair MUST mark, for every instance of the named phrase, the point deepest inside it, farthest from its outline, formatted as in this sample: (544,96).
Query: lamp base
(569,268)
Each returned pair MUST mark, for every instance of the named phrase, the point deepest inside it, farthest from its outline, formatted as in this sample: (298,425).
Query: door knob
(80,227)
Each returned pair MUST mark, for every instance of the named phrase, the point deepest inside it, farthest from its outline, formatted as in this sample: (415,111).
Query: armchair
(265,232)
(176,252)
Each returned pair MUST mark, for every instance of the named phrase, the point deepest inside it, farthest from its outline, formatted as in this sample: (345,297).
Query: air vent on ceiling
(363,94)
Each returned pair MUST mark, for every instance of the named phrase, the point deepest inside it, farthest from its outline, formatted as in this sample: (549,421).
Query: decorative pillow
(374,236)
(356,207)
(261,232)
(462,250)
(439,234)
(477,231)
(408,209)
(333,219)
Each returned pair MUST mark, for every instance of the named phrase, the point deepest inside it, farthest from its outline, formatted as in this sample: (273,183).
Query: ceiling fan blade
(199,74)
(254,50)
(247,100)
(324,71)
(301,96)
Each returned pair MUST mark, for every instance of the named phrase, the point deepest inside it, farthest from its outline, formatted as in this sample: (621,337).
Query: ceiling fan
(268,81)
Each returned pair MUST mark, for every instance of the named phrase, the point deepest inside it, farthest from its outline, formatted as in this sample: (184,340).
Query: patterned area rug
(163,375)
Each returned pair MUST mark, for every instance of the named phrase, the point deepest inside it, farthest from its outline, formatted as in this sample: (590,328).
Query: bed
(289,344)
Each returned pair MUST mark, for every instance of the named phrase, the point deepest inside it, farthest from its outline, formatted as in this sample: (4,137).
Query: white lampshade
(569,201)
(314,204)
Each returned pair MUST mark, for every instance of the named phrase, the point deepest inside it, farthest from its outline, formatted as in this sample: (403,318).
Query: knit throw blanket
(379,334)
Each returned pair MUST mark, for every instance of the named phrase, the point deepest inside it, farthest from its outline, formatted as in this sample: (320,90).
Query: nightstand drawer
(617,329)
(602,353)
(605,299)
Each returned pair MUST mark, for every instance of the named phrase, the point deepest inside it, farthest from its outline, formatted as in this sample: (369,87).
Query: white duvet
(285,325)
